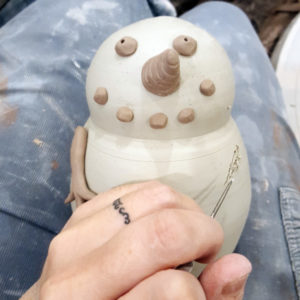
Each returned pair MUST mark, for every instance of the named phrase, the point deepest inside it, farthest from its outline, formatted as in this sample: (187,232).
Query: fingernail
(235,288)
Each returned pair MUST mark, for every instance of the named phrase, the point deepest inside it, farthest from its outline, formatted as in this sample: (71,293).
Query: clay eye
(126,46)
(185,45)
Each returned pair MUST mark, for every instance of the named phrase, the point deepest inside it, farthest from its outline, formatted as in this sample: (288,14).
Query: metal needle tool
(222,198)
(188,266)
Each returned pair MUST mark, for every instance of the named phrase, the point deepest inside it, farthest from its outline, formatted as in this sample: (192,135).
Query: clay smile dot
(207,87)
(126,46)
(101,96)
(186,115)
(158,121)
(185,45)
(125,114)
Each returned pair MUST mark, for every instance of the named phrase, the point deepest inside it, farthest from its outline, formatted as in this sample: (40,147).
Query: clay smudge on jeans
(54,165)
(8,114)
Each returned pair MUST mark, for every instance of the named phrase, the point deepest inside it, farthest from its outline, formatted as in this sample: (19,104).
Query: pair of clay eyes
(183,44)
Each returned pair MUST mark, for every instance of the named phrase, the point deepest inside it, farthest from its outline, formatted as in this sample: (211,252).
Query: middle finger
(92,232)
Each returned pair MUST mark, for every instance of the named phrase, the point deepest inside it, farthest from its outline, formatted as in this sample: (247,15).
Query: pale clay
(195,147)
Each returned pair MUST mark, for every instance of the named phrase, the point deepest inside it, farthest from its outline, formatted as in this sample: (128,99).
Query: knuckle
(182,285)
(166,233)
(49,289)
(54,249)
(164,194)
(79,211)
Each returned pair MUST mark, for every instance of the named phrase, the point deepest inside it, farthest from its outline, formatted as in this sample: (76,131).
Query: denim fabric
(44,55)
(290,211)
(274,155)
(13,7)
(162,8)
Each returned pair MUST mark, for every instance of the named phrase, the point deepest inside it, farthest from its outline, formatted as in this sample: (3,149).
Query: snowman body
(193,145)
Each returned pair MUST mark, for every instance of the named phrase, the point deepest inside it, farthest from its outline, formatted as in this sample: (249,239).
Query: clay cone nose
(172,57)
(161,73)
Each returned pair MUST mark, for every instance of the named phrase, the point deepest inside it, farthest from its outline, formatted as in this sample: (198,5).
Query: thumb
(225,279)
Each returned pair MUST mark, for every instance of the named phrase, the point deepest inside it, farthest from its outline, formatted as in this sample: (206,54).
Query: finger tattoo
(118,205)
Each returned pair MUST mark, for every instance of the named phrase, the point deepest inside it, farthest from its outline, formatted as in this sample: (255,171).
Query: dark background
(269,17)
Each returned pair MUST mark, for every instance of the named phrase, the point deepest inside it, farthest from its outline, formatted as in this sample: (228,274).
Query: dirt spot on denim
(54,165)
(8,113)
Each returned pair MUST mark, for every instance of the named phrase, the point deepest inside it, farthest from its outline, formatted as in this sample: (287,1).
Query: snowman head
(160,78)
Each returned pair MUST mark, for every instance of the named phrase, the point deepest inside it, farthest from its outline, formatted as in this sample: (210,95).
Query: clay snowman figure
(160,94)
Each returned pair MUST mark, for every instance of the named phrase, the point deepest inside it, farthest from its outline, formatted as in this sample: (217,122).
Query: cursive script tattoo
(117,204)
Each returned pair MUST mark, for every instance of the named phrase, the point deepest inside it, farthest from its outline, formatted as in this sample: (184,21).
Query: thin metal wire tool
(222,198)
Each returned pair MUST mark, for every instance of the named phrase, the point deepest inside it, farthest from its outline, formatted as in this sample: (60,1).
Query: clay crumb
(54,165)
(38,142)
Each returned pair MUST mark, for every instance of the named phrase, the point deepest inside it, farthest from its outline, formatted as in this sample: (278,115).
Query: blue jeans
(44,54)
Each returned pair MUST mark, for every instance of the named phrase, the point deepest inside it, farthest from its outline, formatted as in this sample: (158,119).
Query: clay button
(126,46)
(125,114)
(187,115)
(185,45)
(101,95)
(158,121)
(207,87)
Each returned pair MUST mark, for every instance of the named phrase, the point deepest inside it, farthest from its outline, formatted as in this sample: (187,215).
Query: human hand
(98,255)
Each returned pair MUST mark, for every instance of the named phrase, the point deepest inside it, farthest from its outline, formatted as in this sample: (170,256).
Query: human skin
(126,243)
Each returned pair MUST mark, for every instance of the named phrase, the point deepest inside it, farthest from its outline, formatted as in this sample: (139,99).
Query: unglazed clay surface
(168,119)
(122,78)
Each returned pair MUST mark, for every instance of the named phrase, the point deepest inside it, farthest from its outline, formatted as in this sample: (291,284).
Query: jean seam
(288,196)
